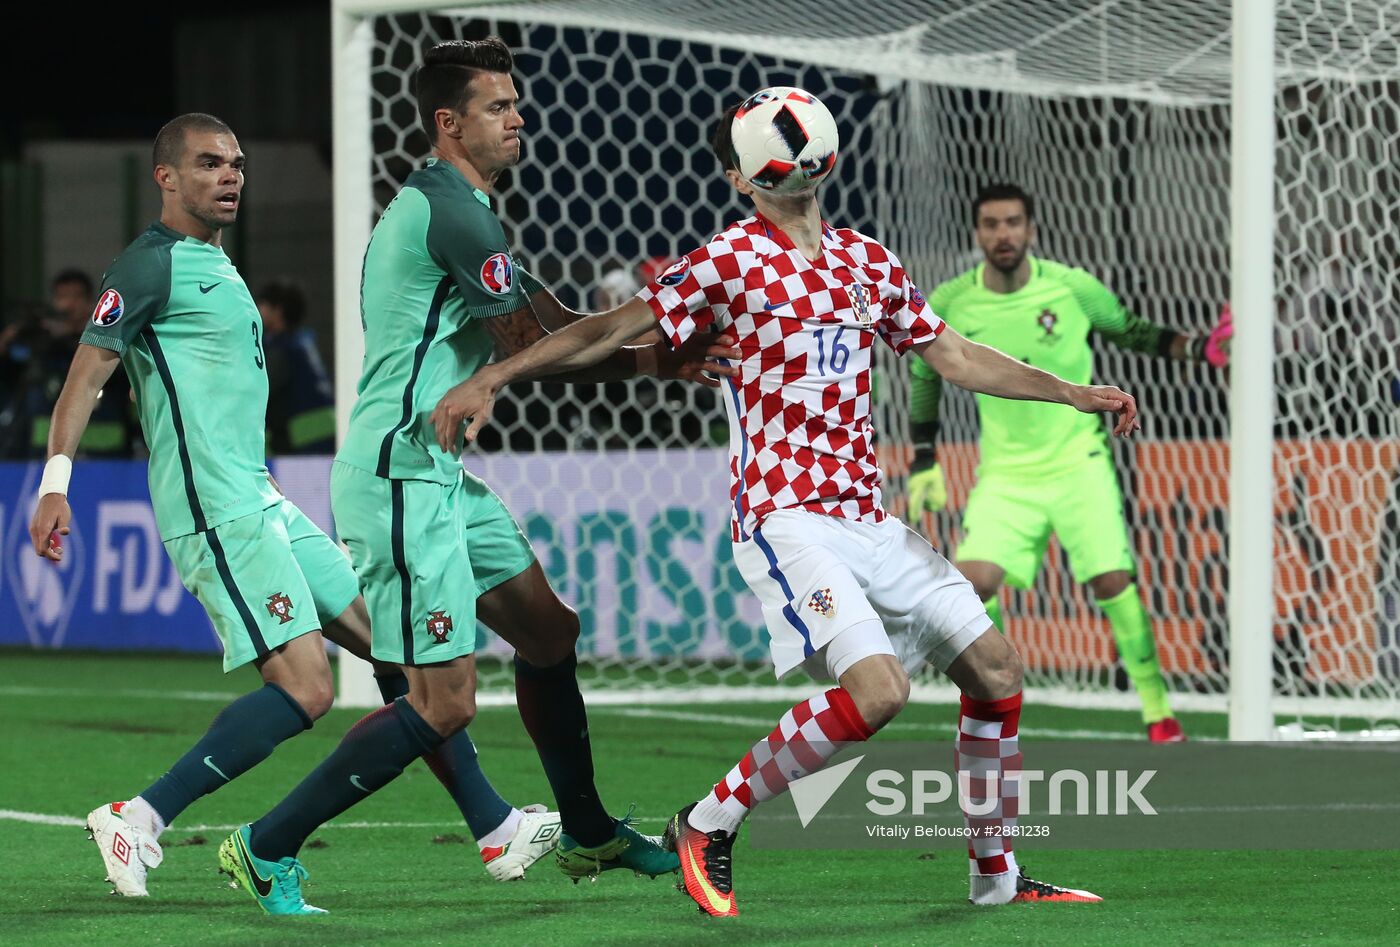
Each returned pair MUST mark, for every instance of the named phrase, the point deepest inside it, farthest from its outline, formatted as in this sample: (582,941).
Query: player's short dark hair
(722,139)
(1003,191)
(170,140)
(286,295)
(72,275)
(444,80)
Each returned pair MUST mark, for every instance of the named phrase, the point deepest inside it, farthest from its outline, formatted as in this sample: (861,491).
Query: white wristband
(57,473)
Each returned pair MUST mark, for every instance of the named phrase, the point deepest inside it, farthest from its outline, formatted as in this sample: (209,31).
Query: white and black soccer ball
(784,139)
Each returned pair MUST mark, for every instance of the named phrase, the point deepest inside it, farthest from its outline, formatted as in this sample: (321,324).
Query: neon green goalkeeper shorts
(423,552)
(264,579)
(1009,519)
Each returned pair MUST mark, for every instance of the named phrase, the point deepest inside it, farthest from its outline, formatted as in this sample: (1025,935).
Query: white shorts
(880,586)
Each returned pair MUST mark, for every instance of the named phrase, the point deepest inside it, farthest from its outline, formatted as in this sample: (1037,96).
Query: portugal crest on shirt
(439,626)
(279,607)
(823,603)
(498,274)
(109,309)
(1047,320)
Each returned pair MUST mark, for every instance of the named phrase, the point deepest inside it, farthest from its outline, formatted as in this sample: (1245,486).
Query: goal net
(1116,116)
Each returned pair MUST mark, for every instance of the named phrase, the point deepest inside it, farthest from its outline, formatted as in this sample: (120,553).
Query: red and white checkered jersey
(799,412)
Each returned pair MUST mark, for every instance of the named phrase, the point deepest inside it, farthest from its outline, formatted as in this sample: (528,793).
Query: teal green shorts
(255,577)
(423,552)
(1009,519)
(325,566)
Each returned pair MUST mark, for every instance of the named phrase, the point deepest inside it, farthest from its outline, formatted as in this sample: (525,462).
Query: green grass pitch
(79,730)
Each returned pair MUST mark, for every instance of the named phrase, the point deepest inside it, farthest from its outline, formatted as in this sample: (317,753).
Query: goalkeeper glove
(927,491)
(1217,351)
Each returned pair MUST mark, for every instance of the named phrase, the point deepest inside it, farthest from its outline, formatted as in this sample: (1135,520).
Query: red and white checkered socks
(989,763)
(802,742)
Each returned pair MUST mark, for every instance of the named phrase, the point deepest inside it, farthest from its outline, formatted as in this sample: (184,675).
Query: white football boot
(127,851)
(535,838)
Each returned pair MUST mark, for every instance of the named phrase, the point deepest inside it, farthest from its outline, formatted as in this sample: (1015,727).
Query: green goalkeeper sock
(993,605)
(1132,629)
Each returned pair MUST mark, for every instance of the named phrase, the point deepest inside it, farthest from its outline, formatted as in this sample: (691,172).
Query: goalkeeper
(1046,468)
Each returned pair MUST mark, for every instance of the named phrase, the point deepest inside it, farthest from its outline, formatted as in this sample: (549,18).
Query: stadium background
(639,563)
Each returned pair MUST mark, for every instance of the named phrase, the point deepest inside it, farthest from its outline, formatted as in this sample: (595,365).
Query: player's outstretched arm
(581,344)
(1133,333)
(984,370)
(516,331)
(523,328)
(91,369)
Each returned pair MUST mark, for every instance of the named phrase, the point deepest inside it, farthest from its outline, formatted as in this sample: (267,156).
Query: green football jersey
(436,266)
(190,337)
(1045,323)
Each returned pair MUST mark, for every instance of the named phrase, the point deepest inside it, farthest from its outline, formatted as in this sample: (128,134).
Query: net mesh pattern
(1116,116)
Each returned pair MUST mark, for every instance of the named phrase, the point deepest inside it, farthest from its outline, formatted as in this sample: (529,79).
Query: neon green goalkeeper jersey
(436,266)
(190,337)
(1045,323)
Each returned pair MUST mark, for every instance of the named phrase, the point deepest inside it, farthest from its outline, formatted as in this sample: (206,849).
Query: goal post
(1181,168)
(352,45)
(1251,372)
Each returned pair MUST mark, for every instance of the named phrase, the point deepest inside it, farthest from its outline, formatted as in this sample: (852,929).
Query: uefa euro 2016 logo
(498,274)
(675,274)
(44,592)
(108,310)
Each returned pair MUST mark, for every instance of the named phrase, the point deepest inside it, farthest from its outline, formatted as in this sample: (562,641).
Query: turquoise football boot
(628,848)
(276,886)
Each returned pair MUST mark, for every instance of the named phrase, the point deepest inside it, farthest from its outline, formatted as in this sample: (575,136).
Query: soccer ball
(784,140)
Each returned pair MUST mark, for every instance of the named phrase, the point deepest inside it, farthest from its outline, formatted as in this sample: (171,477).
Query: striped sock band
(805,738)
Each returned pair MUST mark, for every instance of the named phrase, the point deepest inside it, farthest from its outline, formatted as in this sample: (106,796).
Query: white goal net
(1116,116)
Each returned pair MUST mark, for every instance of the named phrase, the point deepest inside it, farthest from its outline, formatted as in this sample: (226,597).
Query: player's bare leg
(301,669)
(297,690)
(509,839)
(1117,595)
(988,672)
(879,687)
(527,614)
(987,579)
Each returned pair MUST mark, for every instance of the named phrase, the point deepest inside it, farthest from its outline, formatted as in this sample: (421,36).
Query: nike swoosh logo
(970,335)
(769,307)
(206,289)
(209,762)
(717,901)
(355,781)
(262,885)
